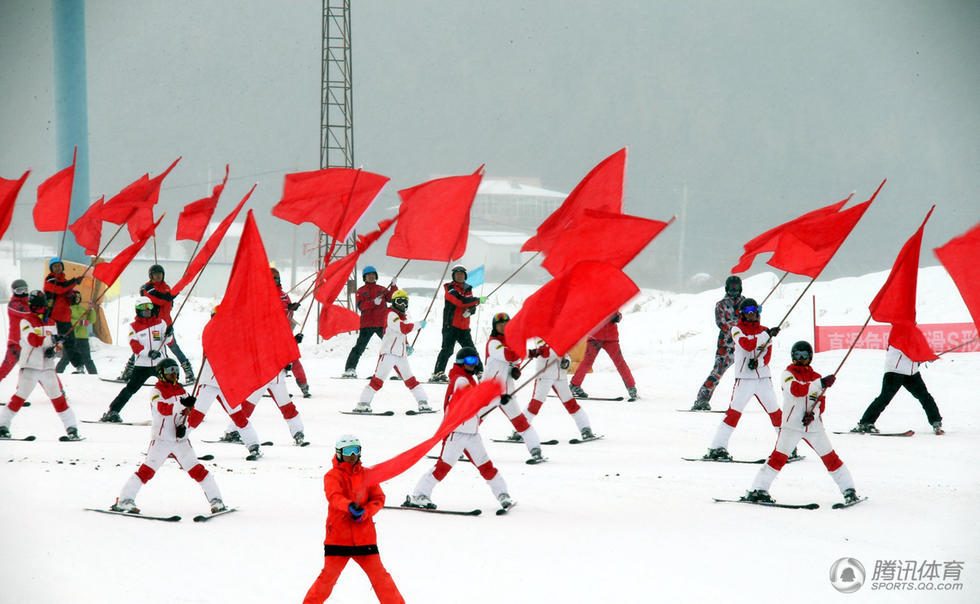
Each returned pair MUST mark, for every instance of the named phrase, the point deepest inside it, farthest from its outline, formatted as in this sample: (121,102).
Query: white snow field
(620,520)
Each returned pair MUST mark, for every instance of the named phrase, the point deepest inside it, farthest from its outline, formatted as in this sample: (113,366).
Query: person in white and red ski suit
(460,306)
(206,393)
(726,315)
(464,439)
(753,349)
(553,375)
(605,338)
(277,390)
(803,407)
(39,341)
(372,302)
(289,307)
(17,310)
(148,336)
(171,408)
(394,355)
(900,371)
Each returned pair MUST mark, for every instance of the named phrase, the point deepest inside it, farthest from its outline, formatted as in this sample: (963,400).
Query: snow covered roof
(509,187)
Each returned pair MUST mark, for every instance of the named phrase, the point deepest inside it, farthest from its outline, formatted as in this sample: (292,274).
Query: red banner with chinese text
(941,336)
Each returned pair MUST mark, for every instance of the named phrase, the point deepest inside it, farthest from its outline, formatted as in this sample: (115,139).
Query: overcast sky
(760,111)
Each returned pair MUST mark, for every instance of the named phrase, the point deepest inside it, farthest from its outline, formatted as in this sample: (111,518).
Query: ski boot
(587,434)
(758,496)
(349,373)
(362,407)
(126,505)
(217,505)
(536,456)
(719,454)
(937,428)
(111,417)
(439,377)
(850,496)
(424,407)
(505,501)
(577,391)
(419,501)
(4,432)
(516,437)
(305,389)
(253,453)
(127,372)
(631,391)
(188,372)
(72,433)
(300,439)
(865,428)
(231,437)
(701,406)
(793,455)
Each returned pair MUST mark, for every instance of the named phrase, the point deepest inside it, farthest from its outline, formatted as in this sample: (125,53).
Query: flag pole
(774,287)
(433,300)
(970,341)
(514,273)
(786,316)
(853,344)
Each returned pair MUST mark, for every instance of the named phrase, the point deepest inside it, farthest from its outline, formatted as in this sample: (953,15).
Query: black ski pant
(890,384)
(363,337)
(80,356)
(174,348)
(136,380)
(450,336)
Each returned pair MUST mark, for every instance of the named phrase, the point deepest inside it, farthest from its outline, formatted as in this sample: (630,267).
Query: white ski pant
(745,389)
(387,362)
(277,390)
(207,394)
(183,452)
(560,386)
(455,444)
(27,379)
(818,441)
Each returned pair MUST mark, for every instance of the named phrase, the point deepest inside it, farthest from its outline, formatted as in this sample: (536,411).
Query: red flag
(601,189)
(960,258)
(108,272)
(767,242)
(209,248)
(465,405)
(337,319)
(434,219)
(195,216)
(333,199)
(602,236)
(8,197)
(568,307)
(134,204)
(54,199)
(334,276)
(88,228)
(248,340)
(909,339)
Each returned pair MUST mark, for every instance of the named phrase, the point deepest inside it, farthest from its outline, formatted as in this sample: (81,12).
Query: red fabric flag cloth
(210,246)
(334,276)
(337,319)
(8,197)
(895,302)
(434,219)
(767,242)
(54,199)
(568,307)
(602,236)
(961,258)
(108,272)
(909,339)
(333,199)
(601,189)
(134,204)
(249,340)
(88,228)
(465,405)
(196,216)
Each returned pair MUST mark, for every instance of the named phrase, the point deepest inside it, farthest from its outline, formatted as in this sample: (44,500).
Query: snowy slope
(620,520)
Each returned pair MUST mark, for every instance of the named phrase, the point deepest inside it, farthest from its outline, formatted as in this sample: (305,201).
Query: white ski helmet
(347,440)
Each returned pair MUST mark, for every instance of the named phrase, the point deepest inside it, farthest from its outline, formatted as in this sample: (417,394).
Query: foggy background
(737,115)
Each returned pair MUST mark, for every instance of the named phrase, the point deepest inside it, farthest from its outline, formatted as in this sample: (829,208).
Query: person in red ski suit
(605,338)
(17,310)
(290,307)
(350,527)
(372,301)
(58,290)
(460,305)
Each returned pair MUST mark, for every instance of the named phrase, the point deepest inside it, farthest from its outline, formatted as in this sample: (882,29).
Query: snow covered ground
(619,520)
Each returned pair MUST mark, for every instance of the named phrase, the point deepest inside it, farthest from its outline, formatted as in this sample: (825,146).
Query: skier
(726,311)
(79,354)
(553,375)
(605,338)
(500,365)
(372,301)
(900,371)
(753,349)
(465,439)
(171,408)
(57,290)
(350,527)
(803,407)
(276,387)
(394,354)
(206,393)
(460,306)
(290,307)
(147,334)
(39,340)
(17,310)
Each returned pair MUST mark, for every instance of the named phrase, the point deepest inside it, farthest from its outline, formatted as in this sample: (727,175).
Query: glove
(169,331)
(154,354)
(828,381)
(356,512)
(77,280)
(378,300)
(188,401)
(409,350)
(773,332)
(49,353)
(615,318)
(565,363)
(423,323)
(299,338)
(505,398)
(483,299)
(753,364)
(180,431)
(294,306)
(532,353)
(807,418)
(289,367)
(57,338)
(515,372)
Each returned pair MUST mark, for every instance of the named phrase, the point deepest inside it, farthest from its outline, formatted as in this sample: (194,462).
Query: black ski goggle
(801,355)
(471,360)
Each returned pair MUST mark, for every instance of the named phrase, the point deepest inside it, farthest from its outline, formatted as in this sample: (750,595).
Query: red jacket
(373,315)
(609,332)
(343,485)
(17,309)
(159,294)
(459,305)
(58,288)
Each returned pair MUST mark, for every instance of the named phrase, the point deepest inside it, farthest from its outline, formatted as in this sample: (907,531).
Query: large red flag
(248,341)
(333,199)
(54,199)
(334,276)
(465,405)
(8,197)
(434,219)
(601,189)
(88,228)
(767,242)
(568,307)
(134,204)
(961,258)
(602,236)
(195,216)
(337,319)
(108,272)
(209,248)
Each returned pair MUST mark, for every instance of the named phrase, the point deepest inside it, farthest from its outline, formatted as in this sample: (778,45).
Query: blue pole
(71,108)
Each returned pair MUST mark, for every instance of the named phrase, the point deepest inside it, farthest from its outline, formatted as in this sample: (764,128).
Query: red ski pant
(10,360)
(381,581)
(612,349)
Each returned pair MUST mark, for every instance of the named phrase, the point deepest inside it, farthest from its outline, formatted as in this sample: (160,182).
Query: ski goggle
(755,309)
(170,370)
(801,355)
(501,317)
(145,307)
(21,291)
(351,450)
(471,360)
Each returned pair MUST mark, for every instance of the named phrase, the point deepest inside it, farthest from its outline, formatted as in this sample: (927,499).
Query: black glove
(753,364)
(533,353)
(299,338)
(188,401)
(180,431)
(57,338)
(505,398)
(773,332)
(565,363)
(615,318)
(828,381)
(154,354)
(294,306)
(169,331)
(77,280)
(515,372)
(289,367)
(807,418)
(49,353)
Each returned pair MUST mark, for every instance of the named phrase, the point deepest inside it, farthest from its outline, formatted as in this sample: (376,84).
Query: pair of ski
(906,433)
(474,512)
(792,506)
(755,461)
(387,413)
(574,441)
(201,518)
(98,421)
(63,439)
(592,398)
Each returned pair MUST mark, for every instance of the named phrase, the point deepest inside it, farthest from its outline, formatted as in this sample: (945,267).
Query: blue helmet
(55,260)
(368,270)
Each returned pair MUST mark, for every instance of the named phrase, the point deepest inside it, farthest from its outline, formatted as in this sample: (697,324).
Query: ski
(26,438)
(789,506)
(475,512)
(841,505)
(26,404)
(414,412)
(148,382)
(906,433)
(207,457)
(98,421)
(503,511)
(701,410)
(65,439)
(578,441)
(136,515)
(756,461)
(521,442)
(379,413)
(593,398)
(267,443)
(205,518)
(461,458)
(536,460)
